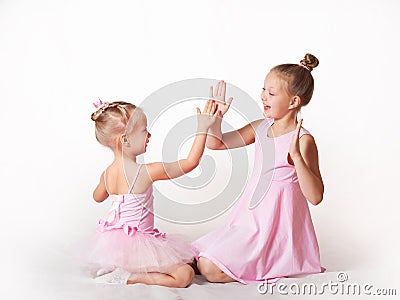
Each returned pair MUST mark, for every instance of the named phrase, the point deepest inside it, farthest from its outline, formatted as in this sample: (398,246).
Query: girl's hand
(207,118)
(307,167)
(218,95)
(294,150)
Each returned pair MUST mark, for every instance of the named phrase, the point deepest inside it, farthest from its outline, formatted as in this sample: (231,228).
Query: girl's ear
(123,139)
(295,102)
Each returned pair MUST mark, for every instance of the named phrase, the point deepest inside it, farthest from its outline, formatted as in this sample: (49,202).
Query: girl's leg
(180,276)
(211,272)
(193,264)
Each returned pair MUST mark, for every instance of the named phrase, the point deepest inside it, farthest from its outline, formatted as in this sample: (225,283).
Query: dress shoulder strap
(262,128)
(134,179)
(304,131)
(105,181)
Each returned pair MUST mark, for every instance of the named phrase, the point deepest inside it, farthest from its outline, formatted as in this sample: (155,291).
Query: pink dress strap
(303,131)
(105,181)
(134,179)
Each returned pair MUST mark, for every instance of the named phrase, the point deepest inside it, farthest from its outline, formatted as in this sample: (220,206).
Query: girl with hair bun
(269,233)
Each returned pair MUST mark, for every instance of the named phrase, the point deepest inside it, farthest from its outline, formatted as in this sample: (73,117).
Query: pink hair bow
(99,104)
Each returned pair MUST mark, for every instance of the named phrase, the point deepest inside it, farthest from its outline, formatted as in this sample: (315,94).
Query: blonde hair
(111,120)
(297,78)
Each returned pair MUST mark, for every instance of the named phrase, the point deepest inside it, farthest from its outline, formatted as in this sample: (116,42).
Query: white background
(57,57)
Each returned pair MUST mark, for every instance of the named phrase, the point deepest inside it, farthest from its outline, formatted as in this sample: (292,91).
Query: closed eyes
(268,92)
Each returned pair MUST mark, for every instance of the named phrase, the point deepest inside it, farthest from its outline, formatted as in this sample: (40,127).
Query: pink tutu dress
(128,239)
(269,233)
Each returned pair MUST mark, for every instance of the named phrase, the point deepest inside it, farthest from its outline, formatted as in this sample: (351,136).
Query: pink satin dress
(269,234)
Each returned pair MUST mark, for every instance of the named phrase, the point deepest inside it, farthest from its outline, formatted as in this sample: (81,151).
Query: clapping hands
(207,118)
(218,96)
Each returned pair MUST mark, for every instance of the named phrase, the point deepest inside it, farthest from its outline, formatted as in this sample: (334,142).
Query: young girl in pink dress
(269,233)
(127,248)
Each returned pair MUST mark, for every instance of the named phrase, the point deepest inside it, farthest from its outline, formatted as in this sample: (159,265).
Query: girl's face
(138,138)
(275,98)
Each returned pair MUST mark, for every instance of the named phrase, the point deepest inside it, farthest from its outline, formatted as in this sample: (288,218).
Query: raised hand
(294,149)
(218,95)
(207,118)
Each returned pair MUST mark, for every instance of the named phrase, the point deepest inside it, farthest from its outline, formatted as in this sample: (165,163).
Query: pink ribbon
(104,226)
(157,233)
(129,230)
(99,104)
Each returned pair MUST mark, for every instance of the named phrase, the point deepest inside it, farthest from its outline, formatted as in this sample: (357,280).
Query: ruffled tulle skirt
(139,253)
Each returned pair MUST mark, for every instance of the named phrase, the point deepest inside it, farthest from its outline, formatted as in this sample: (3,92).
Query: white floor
(35,268)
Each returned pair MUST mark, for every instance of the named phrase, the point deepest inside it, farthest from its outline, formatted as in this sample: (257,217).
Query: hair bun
(310,61)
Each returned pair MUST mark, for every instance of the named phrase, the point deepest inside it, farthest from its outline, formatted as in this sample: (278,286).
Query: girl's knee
(209,270)
(184,276)
(206,266)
